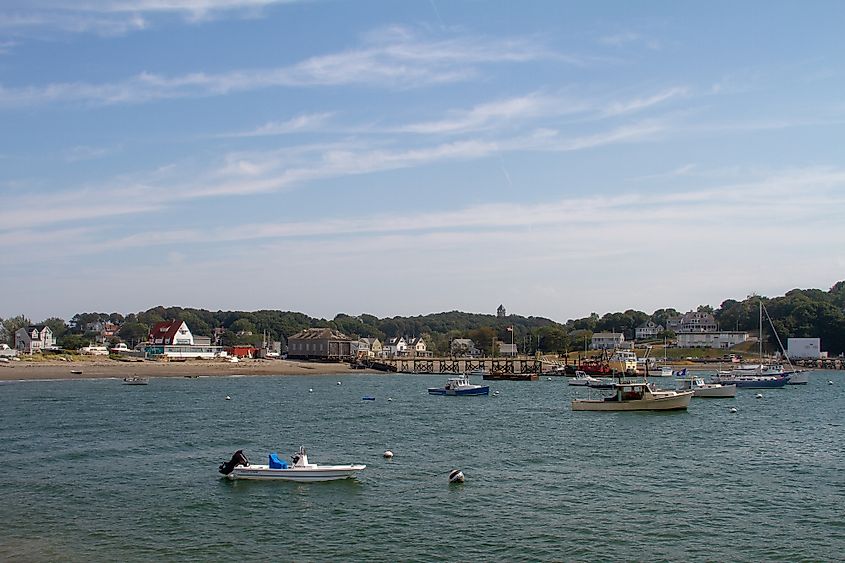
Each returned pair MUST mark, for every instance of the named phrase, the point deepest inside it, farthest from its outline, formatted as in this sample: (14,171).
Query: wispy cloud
(116,17)
(299,124)
(638,104)
(392,59)
(627,38)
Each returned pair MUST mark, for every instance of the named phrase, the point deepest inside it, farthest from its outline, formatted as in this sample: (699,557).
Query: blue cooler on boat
(276,463)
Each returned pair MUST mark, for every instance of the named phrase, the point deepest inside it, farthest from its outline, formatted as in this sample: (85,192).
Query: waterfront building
(320,344)
(714,339)
(804,348)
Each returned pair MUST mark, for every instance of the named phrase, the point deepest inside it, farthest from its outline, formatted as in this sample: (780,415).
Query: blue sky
(402,158)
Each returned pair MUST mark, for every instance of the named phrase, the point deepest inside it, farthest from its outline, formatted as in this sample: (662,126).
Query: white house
(607,340)
(720,339)
(648,329)
(506,349)
(804,348)
(695,321)
(34,339)
(396,346)
(175,332)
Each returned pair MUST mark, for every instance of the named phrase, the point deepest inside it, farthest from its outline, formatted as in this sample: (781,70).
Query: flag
(510,328)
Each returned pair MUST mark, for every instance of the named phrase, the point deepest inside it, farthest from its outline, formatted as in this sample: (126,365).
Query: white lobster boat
(638,396)
(279,470)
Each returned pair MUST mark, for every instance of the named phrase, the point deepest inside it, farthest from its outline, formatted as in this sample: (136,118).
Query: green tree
(133,333)
(12,325)
(57,325)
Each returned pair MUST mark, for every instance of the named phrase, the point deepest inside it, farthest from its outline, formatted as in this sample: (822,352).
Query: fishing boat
(136,380)
(279,470)
(636,396)
(458,386)
(702,389)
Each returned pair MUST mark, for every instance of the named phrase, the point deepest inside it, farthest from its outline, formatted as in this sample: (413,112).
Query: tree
(134,332)
(12,325)
(73,341)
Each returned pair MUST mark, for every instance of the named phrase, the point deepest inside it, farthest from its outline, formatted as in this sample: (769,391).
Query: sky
(404,158)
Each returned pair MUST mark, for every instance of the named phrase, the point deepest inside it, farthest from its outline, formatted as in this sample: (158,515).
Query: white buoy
(338,382)
(830,382)
(310,390)
(390,398)
(758,396)
(456,476)
(495,393)
(549,378)
(388,454)
(733,409)
(228,398)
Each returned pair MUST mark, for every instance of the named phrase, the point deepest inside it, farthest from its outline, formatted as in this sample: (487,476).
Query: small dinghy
(277,469)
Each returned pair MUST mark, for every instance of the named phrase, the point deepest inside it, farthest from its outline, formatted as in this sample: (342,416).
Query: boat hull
(298,474)
(714,392)
(482,390)
(756,383)
(679,401)
(799,378)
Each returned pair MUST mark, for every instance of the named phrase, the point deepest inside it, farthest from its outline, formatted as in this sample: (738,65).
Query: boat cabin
(629,392)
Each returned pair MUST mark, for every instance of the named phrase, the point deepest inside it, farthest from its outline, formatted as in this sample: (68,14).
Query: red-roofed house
(174,332)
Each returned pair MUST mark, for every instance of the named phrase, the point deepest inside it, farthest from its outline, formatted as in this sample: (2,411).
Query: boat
(506,376)
(752,381)
(279,470)
(460,385)
(136,380)
(702,389)
(636,396)
(760,375)
(623,362)
(581,378)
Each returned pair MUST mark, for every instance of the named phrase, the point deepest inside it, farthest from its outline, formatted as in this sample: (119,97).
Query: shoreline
(106,369)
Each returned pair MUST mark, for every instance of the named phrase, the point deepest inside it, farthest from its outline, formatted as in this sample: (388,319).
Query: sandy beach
(104,368)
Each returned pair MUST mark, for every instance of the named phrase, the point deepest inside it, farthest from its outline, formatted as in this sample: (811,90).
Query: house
(417,347)
(714,339)
(367,347)
(648,329)
(320,344)
(464,347)
(396,346)
(173,332)
(34,338)
(695,321)
(607,340)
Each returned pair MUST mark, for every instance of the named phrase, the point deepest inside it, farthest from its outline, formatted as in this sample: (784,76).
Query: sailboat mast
(760,338)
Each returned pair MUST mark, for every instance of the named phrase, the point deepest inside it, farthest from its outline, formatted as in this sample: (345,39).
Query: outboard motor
(238,458)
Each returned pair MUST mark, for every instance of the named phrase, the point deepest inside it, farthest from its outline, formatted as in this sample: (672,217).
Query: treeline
(799,313)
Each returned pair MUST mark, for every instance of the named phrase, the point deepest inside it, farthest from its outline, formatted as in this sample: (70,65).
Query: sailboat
(762,375)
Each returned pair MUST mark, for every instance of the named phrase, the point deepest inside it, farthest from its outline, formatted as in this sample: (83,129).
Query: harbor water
(93,470)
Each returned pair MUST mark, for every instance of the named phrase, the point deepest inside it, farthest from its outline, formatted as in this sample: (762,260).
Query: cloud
(83,152)
(299,124)
(116,17)
(627,38)
(406,62)
(630,106)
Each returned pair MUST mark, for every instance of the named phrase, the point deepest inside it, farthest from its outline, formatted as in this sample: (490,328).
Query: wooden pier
(504,366)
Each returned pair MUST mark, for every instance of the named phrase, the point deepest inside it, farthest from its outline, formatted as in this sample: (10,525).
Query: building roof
(165,330)
(319,334)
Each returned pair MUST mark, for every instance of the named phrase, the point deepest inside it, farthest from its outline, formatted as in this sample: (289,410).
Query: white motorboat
(702,389)
(581,378)
(279,470)
(638,396)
